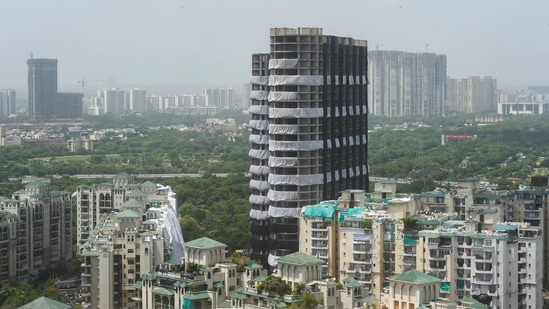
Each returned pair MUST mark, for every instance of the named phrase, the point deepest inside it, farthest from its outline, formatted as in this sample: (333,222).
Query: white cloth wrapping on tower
(282,63)
(171,222)
(297,80)
(296,112)
(299,180)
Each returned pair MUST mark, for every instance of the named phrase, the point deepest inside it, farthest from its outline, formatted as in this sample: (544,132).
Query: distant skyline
(176,46)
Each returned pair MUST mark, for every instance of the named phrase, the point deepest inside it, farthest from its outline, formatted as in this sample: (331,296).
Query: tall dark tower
(42,88)
(309,131)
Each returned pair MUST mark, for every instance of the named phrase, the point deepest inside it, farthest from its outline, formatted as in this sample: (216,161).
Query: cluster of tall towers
(44,101)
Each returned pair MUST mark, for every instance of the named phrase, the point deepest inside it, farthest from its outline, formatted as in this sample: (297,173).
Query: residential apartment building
(403,84)
(308,131)
(461,238)
(222,98)
(92,202)
(123,245)
(136,100)
(471,95)
(7,103)
(35,231)
(113,100)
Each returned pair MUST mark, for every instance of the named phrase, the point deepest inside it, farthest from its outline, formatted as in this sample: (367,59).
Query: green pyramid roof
(162,291)
(300,258)
(129,214)
(414,276)
(472,303)
(204,243)
(136,193)
(352,283)
(133,203)
(45,303)
(122,175)
(148,183)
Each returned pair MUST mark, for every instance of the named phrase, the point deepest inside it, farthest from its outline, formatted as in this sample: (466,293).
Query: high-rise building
(136,100)
(308,131)
(92,202)
(471,95)
(42,82)
(35,231)
(69,105)
(126,245)
(113,100)
(7,102)
(223,98)
(402,83)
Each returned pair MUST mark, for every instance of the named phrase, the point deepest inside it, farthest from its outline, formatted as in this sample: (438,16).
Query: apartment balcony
(531,214)
(357,257)
(411,251)
(319,235)
(432,245)
(482,279)
(437,257)
(362,248)
(322,254)
(85,282)
(484,270)
(319,244)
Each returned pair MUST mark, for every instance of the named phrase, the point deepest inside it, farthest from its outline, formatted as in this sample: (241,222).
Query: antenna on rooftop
(30,54)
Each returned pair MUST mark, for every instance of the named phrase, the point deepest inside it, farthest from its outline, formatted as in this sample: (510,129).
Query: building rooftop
(300,258)
(414,276)
(204,243)
(128,214)
(44,303)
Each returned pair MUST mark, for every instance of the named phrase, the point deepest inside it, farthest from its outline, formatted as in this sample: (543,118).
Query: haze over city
(179,45)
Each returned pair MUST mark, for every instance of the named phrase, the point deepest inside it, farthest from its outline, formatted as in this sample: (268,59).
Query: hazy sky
(174,45)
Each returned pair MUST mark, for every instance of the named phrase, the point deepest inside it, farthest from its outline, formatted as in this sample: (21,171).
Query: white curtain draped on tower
(282,63)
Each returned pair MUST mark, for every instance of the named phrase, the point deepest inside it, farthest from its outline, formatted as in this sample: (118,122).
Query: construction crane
(83,82)
(378,45)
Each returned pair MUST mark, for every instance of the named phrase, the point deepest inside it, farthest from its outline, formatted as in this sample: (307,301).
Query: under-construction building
(308,131)
(42,82)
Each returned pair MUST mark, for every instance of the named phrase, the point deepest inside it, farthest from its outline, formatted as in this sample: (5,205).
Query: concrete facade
(308,131)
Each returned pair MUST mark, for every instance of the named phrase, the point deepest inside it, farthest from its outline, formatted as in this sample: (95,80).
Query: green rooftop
(162,291)
(148,183)
(45,303)
(195,296)
(204,243)
(122,175)
(352,283)
(300,258)
(129,214)
(136,193)
(415,276)
(133,203)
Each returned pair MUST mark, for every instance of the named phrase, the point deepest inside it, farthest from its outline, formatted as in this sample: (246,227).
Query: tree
(309,301)
(274,284)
